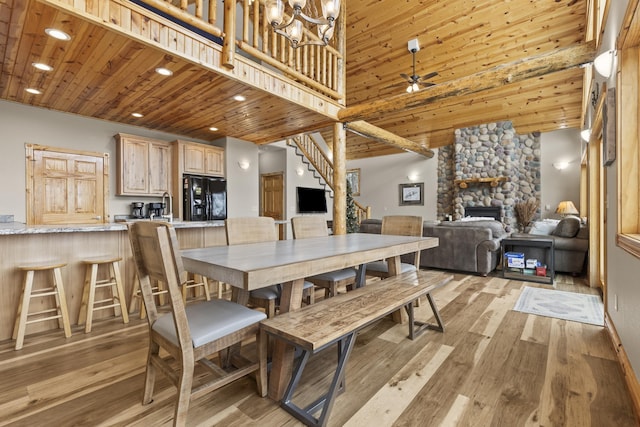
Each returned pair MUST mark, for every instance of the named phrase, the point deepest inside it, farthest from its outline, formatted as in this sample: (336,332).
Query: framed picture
(353,178)
(609,128)
(412,194)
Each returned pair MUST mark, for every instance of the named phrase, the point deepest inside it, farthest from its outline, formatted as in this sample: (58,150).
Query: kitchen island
(71,244)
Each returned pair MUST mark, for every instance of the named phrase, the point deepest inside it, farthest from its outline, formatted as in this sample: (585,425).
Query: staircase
(322,167)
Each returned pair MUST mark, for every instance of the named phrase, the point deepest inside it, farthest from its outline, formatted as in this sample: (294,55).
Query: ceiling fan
(414,80)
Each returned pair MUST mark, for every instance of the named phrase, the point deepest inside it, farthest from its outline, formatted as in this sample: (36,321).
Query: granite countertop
(12,228)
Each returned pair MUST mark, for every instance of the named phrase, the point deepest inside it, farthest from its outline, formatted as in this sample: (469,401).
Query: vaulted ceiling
(106,75)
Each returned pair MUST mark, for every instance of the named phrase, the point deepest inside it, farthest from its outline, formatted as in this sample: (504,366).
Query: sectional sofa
(469,246)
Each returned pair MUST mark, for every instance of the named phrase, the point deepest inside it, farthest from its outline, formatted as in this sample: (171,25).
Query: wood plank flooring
(492,367)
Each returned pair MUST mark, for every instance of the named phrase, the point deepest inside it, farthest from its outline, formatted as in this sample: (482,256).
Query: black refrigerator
(205,198)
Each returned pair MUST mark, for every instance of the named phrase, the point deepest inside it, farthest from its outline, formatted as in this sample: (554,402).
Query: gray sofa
(470,246)
(571,244)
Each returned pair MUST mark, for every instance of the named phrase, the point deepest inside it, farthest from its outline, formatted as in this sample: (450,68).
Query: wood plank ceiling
(105,75)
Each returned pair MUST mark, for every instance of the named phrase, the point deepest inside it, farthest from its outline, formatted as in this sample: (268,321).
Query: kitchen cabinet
(143,165)
(201,159)
(195,159)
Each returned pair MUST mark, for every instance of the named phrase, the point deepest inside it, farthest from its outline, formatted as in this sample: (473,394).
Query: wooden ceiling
(106,75)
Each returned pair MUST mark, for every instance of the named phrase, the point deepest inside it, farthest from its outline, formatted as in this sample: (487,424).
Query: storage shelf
(527,277)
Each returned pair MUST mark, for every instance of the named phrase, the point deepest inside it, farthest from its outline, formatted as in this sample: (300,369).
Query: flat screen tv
(311,200)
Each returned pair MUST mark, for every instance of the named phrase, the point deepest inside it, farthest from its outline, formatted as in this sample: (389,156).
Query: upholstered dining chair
(245,230)
(305,227)
(399,225)
(190,334)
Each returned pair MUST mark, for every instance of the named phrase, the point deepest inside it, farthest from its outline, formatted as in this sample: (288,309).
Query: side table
(547,245)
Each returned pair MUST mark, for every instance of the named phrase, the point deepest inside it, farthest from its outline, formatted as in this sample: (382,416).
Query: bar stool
(195,281)
(114,285)
(56,289)
(136,297)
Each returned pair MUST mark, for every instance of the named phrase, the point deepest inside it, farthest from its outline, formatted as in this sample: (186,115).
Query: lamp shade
(566,208)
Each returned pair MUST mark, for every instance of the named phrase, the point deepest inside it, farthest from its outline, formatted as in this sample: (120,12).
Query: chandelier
(293,28)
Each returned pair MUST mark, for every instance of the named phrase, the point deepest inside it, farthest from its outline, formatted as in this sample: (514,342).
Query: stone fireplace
(488,165)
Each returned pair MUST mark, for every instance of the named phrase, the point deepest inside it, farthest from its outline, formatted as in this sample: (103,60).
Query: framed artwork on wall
(412,194)
(609,128)
(353,178)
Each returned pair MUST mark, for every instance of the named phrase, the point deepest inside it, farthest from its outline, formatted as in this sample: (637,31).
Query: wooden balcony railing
(320,68)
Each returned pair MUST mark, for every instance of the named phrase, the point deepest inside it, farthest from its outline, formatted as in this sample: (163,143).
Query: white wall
(22,124)
(558,185)
(380,178)
(243,193)
(622,268)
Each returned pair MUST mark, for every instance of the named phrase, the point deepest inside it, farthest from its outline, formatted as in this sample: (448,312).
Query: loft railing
(245,27)
(315,155)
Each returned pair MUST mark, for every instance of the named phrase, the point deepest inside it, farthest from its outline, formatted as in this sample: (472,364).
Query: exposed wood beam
(495,77)
(368,130)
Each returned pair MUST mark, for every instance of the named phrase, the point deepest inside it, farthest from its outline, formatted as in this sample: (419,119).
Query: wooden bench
(337,320)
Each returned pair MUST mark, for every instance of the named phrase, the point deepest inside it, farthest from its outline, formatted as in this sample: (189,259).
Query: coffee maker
(137,210)
(156,209)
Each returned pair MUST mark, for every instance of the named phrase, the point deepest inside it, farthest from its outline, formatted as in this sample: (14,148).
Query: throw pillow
(567,227)
(544,228)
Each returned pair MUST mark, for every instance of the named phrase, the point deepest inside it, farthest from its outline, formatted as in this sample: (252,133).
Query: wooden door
(66,187)
(194,158)
(272,197)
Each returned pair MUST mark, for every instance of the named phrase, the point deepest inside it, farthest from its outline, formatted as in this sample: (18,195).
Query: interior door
(66,187)
(272,198)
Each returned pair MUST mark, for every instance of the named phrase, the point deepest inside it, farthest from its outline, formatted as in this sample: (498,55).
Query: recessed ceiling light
(33,91)
(164,71)
(41,66)
(213,129)
(57,34)
(239,98)
(138,115)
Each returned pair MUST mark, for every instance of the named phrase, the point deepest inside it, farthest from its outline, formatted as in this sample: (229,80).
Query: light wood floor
(492,367)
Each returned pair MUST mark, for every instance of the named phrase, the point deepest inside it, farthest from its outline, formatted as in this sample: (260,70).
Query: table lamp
(566,207)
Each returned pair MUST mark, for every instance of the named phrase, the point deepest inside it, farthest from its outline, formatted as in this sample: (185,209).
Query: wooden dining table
(288,262)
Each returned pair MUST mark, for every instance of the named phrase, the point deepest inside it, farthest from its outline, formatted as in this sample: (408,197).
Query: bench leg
(324,403)
(416,327)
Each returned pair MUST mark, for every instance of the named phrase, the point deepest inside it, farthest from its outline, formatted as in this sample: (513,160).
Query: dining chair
(245,230)
(305,227)
(399,225)
(191,334)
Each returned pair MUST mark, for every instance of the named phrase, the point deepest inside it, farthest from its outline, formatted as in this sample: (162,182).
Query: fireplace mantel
(493,182)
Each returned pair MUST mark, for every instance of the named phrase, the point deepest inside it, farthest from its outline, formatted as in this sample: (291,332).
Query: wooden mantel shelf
(493,182)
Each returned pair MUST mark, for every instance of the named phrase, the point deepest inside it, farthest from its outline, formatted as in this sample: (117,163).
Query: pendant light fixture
(293,27)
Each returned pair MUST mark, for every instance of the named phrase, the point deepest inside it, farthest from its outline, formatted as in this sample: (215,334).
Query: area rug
(562,305)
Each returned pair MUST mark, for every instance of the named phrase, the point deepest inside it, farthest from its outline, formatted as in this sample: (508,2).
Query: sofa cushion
(544,227)
(567,227)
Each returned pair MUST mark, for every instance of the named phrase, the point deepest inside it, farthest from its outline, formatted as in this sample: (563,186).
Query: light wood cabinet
(144,166)
(196,159)
(201,159)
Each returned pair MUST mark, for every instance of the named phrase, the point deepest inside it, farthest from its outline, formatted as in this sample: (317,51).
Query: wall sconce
(585,134)
(561,165)
(244,164)
(604,63)
(413,177)
(299,171)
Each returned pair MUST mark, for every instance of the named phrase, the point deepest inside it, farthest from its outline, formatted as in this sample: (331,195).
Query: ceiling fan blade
(427,84)
(430,75)
(405,76)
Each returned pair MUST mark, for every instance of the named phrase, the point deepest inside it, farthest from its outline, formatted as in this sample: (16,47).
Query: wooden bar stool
(136,297)
(113,283)
(55,289)
(196,281)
